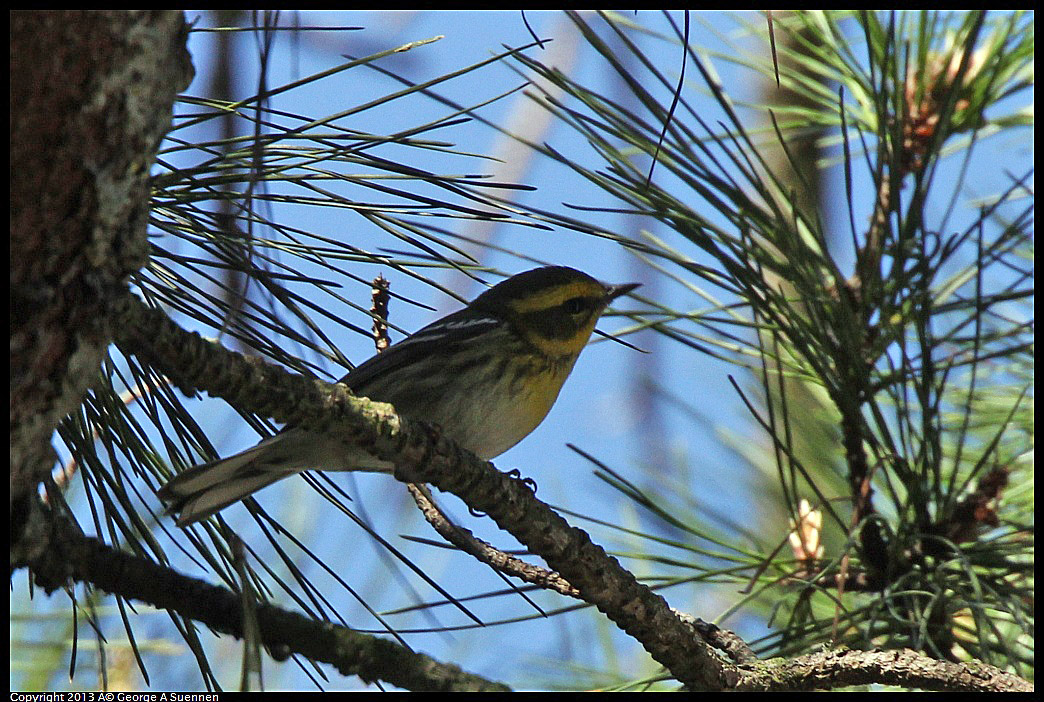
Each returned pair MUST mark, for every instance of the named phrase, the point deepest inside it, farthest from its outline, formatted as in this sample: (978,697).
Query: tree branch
(421,455)
(73,556)
(484,552)
(828,670)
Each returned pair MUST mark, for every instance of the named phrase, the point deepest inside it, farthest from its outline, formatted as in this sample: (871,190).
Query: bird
(486,375)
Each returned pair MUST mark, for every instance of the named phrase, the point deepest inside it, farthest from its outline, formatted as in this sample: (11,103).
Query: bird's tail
(203,490)
(206,489)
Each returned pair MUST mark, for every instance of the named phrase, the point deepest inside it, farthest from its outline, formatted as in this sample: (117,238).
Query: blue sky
(597,410)
(594,411)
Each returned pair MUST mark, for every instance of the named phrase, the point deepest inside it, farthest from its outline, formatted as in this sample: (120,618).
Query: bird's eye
(575,305)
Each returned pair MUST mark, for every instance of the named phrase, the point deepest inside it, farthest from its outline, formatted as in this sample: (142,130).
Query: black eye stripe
(578,304)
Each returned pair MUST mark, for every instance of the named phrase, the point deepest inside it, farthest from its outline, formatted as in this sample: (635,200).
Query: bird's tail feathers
(206,489)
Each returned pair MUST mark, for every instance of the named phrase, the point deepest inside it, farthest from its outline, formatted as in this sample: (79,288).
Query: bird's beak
(614,291)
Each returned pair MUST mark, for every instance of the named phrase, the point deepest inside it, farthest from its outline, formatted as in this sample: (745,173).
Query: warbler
(486,375)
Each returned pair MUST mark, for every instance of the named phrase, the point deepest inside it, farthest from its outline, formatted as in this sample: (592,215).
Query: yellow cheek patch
(559,348)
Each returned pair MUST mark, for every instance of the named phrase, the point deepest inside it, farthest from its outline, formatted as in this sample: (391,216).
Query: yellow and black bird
(487,375)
